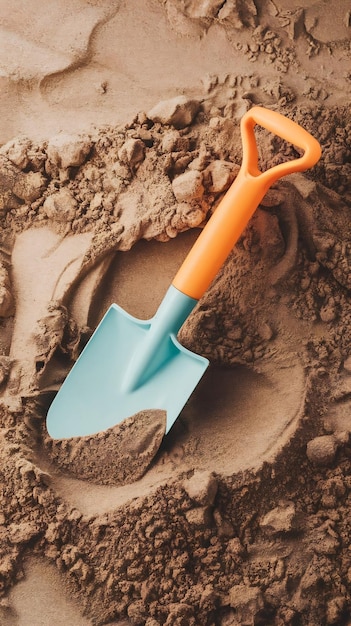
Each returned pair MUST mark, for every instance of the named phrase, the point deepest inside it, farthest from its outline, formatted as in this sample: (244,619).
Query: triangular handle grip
(285,129)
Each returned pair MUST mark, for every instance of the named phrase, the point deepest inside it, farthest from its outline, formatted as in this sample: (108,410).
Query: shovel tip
(117,456)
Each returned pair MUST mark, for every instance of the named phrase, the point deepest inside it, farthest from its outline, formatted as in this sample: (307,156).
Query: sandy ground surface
(119,134)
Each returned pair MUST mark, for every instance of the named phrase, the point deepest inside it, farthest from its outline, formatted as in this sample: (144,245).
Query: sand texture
(119,135)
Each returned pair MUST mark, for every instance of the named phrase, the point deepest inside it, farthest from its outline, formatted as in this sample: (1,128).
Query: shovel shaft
(241,200)
(157,344)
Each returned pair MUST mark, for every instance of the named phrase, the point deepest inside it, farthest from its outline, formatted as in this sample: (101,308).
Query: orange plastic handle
(241,200)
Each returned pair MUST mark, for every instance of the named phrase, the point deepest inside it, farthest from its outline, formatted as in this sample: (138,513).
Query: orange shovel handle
(241,200)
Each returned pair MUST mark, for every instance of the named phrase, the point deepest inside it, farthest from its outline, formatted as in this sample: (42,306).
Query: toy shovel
(131,365)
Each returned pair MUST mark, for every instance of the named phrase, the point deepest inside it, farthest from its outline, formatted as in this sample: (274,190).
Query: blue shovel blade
(93,397)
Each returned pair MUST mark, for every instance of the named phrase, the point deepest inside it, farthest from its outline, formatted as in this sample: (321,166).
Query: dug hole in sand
(240,515)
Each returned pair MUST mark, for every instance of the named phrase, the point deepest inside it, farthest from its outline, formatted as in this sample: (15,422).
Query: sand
(119,134)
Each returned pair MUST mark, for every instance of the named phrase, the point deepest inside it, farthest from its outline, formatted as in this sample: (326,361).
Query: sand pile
(240,515)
